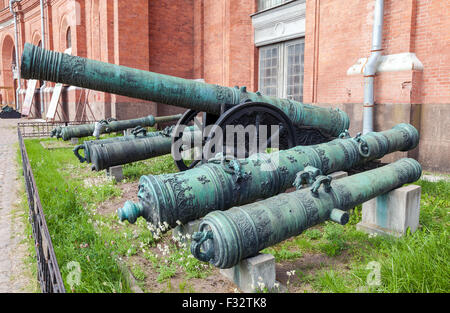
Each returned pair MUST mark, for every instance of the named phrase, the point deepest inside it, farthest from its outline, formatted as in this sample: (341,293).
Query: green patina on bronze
(117,153)
(110,126)
(141,145)
(137,133)
(226,237)
(58,67)
(223,183)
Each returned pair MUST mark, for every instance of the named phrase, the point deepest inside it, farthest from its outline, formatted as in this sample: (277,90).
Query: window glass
(69,38)
(266,4)
(281,70)
(294,76)
(268,69)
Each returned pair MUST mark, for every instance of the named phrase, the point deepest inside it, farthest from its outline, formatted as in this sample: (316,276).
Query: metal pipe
(16,43)
(44,85)
(371,67)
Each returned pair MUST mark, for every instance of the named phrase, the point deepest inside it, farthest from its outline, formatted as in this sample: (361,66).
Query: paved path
(12,252)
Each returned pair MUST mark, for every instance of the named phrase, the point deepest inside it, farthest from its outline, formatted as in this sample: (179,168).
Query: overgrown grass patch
(176,256)
(66,202)
(160,165)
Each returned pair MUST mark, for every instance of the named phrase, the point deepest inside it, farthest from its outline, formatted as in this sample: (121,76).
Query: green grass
(155,166)
(138,272)
(65,200)
(176,256)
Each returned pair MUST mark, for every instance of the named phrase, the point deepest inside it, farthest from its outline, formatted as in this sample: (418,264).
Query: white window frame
(270,4)
(282,68)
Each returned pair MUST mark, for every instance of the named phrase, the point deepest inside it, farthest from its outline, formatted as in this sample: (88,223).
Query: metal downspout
(44,85)
(19,84)
(371,66)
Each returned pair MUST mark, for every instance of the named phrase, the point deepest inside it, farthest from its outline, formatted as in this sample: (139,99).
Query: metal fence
(49,274)
(43,129)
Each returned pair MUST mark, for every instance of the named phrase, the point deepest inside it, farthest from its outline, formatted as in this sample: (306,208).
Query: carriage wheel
(179,150)
(248,114)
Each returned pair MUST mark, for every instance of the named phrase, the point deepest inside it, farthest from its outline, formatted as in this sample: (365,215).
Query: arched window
(14,57)
(69,38)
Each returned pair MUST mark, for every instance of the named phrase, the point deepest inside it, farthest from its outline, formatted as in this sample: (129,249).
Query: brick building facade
(312,51)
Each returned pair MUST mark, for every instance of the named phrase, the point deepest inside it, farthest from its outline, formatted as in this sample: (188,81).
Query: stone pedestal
(182,230)
(116,172)
(254,274)
(127,132)
(337,175)
(393,212)
(74,141)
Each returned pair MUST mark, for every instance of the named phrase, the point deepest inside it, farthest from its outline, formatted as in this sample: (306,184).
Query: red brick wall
(227,43)
(171,42)
(337,36)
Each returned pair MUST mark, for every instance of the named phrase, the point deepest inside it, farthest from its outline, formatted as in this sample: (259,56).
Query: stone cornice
(280,23)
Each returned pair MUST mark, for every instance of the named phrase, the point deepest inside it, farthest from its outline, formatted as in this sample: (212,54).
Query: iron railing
(43,129)
(49,275)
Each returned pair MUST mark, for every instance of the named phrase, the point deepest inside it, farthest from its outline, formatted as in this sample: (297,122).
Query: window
(281,70)
(69,38)
(267,4)
(14,57)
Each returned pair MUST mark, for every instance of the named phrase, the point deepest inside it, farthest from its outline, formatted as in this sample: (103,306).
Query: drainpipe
(19,85)
(44,85)
(371,66)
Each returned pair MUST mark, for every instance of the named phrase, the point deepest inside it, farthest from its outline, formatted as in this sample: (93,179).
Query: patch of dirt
(214,283)
(308,264)
(129,192)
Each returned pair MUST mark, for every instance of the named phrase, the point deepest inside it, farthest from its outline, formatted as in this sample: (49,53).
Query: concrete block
(127,132)
(188,229)
(251,273)
(74,141)
(393,212)
(116,172)
(339,174)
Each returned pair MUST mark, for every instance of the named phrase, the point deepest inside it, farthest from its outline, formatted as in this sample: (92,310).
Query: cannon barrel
(38,63)
(137,133)
(129,150)
(223,183)
(117,153)
(85,130)
(226,237)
